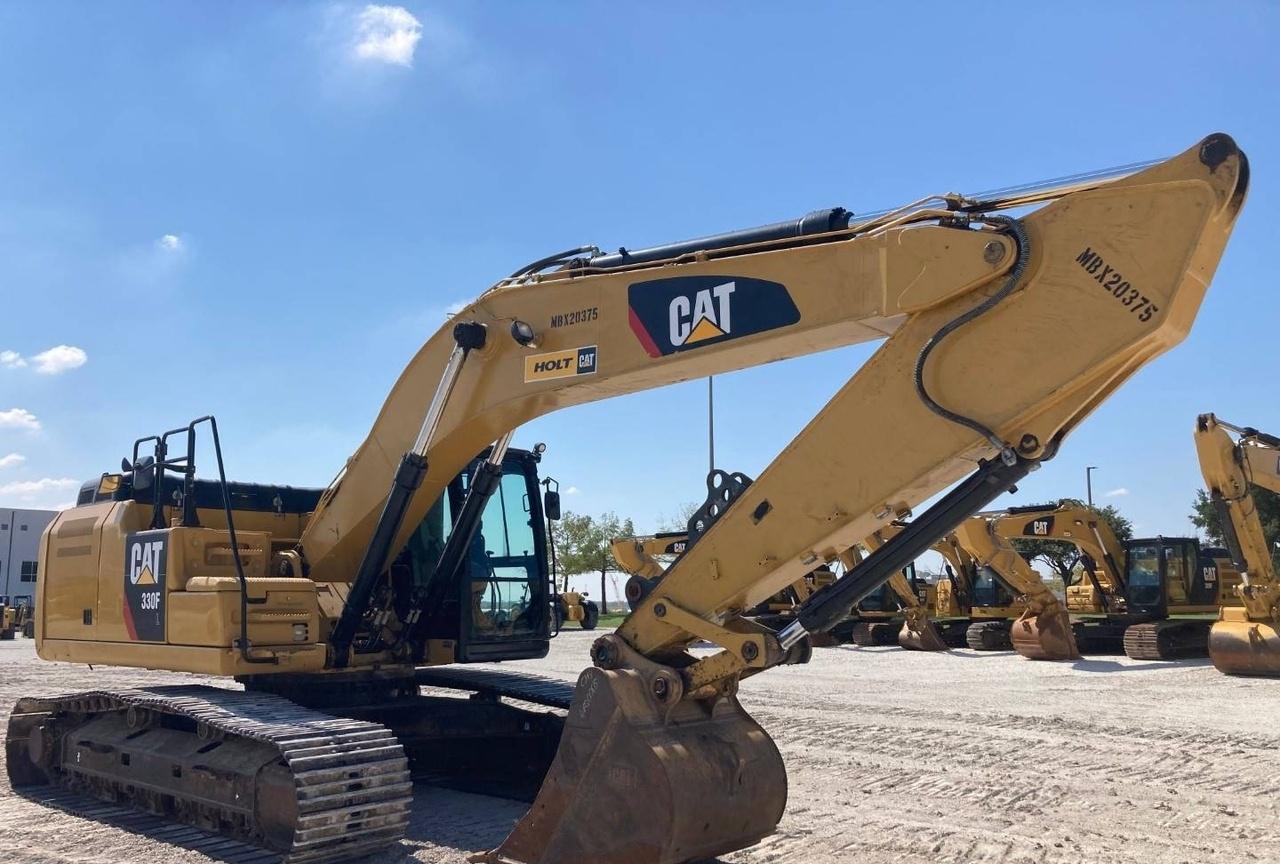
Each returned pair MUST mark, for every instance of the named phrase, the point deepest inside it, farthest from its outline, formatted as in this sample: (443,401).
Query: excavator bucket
(918,633)
(1244,647)
(639,782)
(1047,636)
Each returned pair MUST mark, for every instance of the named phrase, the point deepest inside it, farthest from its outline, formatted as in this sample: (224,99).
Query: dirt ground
(893,756)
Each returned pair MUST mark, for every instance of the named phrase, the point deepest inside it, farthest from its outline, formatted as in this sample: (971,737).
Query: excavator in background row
(1043,630)
(1246,638)
(574,606)
(973,604)
(638,556)
(910,595)
(1154,598)
(1000,334)
(974,597)
(874,621)
(17,615)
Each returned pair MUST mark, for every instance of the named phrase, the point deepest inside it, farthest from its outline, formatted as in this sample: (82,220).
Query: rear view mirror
(551,505)
(144,473)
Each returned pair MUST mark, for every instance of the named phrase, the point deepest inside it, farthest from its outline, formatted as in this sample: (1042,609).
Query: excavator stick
(694,781)
(918,633)
(1047,636)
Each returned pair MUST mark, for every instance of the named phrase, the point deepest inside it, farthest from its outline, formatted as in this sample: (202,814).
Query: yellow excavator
(1000,334)
(975,604)
(1155,597)
(898,597)
(1043,630)
(1246,638)
(910,596)
(639,557)
(977,598)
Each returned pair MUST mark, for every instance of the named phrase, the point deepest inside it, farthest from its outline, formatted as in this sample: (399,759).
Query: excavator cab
(989,591)
(501,607)
(1165,570)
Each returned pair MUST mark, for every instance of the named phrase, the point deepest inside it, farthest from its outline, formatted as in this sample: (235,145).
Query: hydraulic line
(1023,242)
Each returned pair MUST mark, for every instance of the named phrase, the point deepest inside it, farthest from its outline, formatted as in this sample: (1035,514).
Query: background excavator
(1000,335)
(1154,598)
(639,557)
(973,604)
(1043,630)
(16,616)
(977,598)
(1246,638)
(876,620)
(911,597)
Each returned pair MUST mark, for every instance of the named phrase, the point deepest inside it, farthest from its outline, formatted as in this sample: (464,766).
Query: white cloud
(572,490)
(19,418)
(1116,493)
(55,361)
(48,492)
(11,460)
(386,34)
(172,242)
(59,359)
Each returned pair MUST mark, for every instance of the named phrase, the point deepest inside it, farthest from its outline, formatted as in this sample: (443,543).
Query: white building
(20,532)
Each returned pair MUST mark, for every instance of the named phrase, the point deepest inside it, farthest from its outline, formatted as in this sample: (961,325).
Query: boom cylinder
(408,477)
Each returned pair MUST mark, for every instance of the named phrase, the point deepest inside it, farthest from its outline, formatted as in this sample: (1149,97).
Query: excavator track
(251,767)
(1167,640)
(989,636)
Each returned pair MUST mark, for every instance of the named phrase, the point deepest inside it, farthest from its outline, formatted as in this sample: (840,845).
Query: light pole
(1088,481)
(711,424)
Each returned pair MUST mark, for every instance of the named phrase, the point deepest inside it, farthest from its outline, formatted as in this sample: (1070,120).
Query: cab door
(1145,572)
(505,608)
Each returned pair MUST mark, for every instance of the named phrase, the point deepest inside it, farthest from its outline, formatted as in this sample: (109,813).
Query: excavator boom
(988,370)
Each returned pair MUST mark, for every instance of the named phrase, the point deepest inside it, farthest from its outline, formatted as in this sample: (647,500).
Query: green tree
(583,545)
(1205,517)
(1060,556)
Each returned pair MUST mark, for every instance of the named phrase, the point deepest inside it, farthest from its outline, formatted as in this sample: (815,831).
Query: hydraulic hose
(1023,244)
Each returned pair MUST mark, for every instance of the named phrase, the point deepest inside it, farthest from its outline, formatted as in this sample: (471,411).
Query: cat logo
(1210,574)
(708,318)
(1039,527)
(143,562)
(560,364)
(685,312)
(676,547)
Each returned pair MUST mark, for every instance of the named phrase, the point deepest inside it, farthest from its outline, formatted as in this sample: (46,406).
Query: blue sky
(261,210)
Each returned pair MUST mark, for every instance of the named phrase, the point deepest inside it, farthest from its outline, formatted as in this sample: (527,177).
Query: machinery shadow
(148,825)
(1111,666)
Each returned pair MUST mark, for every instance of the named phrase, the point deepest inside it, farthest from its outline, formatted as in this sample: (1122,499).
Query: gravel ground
(893,756)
